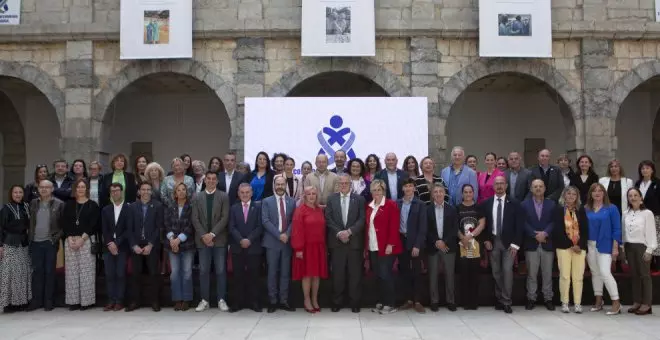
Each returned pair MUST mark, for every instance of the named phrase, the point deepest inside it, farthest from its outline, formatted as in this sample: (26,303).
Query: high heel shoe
(317,310)
(617,312)
(599,307)
(310,311)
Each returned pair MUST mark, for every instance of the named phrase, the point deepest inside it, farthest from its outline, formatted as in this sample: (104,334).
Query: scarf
(572,226)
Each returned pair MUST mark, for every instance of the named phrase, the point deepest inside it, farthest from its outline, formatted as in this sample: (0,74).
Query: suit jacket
(559,238)
(416,224)
(297,186)
(523,183)
(268,187)
(534,224)
(56,209)
(330,185)
(150,225)
(270,220)
(626,183)
(513,221)
(386,225)
(354,221)
(117,232)
(555,183)
(63,192)
(251,230)
(130,189)
(232,189)
(178,225)
(219,219)
(400,177)
(449,228)
(652,197)
(334,170)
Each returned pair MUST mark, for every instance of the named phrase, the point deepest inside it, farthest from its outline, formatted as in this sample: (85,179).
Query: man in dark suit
(538,249)
(245,230)
(344,216)
(519,178)
(116,224)
(277,216)
(340,162)
(144,237)
(550,175)
(412,231)
(62,180)
(392,177)
(504,224)
(229,179)
(442,242)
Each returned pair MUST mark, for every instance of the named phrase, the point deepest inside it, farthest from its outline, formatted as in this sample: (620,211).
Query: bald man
(550,175)
(323,180)
(393,177)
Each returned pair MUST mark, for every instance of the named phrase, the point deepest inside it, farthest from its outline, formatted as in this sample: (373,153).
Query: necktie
(344,209)
(245,211)
(282,214)
(499,217)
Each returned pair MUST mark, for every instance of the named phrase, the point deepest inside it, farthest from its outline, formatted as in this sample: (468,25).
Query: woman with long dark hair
(15,270)
(372,162)
(32,189)
(411,166)
(359,186)
(216,165)
(472,162)
(648,186)
(78,170)
(261,178)
(140,167)
(584,177)
(278,162)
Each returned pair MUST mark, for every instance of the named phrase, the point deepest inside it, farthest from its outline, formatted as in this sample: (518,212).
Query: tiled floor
(486,323)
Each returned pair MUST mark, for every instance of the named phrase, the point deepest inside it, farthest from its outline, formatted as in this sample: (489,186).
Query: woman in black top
(32,189)
(428,177)
(471,222)
(15,270)
(648,185)
(81,219)
(584,177)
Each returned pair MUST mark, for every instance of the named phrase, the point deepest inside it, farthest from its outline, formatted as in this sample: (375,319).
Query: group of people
(328,223)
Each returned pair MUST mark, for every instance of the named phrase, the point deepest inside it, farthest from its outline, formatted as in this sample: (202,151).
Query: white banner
(10,12)
(334,28)
(657,10)
(156,29)
(515,28)
(305,127)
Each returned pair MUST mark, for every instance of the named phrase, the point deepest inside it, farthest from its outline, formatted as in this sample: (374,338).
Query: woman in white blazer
(294,187)
(617,185)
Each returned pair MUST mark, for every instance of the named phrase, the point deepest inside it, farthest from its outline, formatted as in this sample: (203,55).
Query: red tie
(283,214)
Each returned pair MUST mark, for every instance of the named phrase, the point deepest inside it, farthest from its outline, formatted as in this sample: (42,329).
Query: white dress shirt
(639,227)
(279,213)
(392,179)
(373,240)
(117,213)
(644,187)
(228,177)
(345,201)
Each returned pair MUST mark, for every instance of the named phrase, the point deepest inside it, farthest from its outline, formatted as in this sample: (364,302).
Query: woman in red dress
(308,242)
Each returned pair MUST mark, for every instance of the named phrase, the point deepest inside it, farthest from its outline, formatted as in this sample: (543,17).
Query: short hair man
(323,180)
(456,175)
(116,222)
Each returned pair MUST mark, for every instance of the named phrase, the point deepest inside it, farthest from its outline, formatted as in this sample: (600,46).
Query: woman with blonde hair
(170,182)
(155,175)
(617,185)
(199,173)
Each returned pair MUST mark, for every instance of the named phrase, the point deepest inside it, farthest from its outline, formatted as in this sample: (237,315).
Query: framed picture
(10,12)
(515,28)
(156,29)
(338,28)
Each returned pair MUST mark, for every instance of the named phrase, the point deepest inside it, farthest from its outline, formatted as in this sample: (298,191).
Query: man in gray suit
(277,216)
(519,178)
(344,216)
(210,216)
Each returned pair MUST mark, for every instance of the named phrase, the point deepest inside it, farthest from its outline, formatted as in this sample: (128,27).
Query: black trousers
(410,271)
(44,259)
(153,293)
(345,260)
(470,270)
(246,273)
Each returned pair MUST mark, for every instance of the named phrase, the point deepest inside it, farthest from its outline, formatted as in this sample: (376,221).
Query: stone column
(598,122)
(424,58)
(250,82)
(78,141)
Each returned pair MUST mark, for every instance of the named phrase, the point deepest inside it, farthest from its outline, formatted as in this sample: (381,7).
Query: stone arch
(39,79)
(629,82)
(13,145)
(314,66)
(195,69)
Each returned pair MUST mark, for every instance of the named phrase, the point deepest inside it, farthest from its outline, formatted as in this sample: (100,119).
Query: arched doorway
(337,84)
(25,111)
(163,115)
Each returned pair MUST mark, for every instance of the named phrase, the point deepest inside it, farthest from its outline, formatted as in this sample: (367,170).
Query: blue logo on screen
(3,6)
(336,135)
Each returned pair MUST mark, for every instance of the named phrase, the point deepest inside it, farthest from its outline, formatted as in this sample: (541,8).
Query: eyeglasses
(39,166)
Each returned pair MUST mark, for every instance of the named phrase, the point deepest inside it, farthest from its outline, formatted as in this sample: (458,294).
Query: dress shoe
(408,305)
(118,307)
(131,307)
(177,306)
(645,312)
(355,309)
(109,307)
(633,309)
(434,307)
(451,307)
(507,309)
(272,308)
(74,307)
(419,308)
(530,305)
(499,306)
(256,309)
(185,305)
(549,305)
(49,308)
(84,308)
(155,307)
(32,307)
(335,309)
(285,306)
(235,309)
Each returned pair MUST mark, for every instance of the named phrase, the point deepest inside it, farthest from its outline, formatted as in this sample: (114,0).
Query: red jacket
(386,223)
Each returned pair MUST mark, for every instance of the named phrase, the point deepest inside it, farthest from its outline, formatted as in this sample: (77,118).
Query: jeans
(382,265)
(278,260)
(217,255)
(115,275)
(43,256)
(181,276)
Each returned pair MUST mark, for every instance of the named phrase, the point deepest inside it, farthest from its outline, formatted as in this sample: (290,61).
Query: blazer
(268,187)
(219,218)
(513,221)
(232,188)
(386,225)
(652,197)
(179,226)
(146,228)
(583,187)
(555,184)
(119,232)
(270,219)
(56,209)
(251,230)
(63,193)
(354,221)
(609,229)
(400,177)
(297,186)
(626,183)
(449,228)
(330,185)
(523,182)
(130,189)
(559,238)
(416,224)
(486,186)
(534,224)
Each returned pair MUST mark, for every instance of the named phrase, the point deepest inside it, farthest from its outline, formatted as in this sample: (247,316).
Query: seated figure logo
(3,6)
(336,135)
